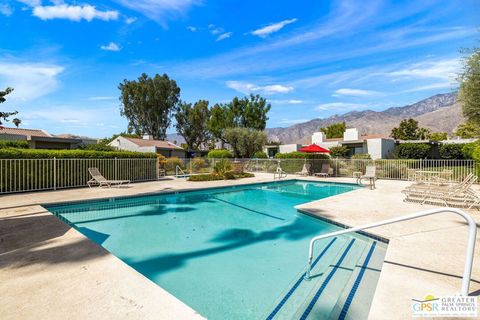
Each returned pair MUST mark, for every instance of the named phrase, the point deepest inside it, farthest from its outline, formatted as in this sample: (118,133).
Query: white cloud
(30,80)
(440,69)
(340,106)
(214,29)
(31,3)
(289,101)
(73,13)
(247,88)
(112,46)
(224,36)
(102,98)
(6,9)
(160,10)
(191,28)
(272,28)
(354,92)
(433,86)
(130,20)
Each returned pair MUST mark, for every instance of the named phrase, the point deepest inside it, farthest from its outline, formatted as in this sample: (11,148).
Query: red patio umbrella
(313,148)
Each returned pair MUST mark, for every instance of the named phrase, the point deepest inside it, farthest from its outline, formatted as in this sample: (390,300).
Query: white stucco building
(148,144)
(377,146)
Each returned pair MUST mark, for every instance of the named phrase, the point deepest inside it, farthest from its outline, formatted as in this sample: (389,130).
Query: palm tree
(16,122)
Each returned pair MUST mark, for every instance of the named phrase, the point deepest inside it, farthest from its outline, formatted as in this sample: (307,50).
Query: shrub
(198,164)
(362,156)
(214,177)
(260,155)
(172,164)
(98,147)
(219,154)
(301,155)
(162,161)
(452,151)
(222,167)
(338,152)
(468,149)
(411,151)
(15,153)
(21,144)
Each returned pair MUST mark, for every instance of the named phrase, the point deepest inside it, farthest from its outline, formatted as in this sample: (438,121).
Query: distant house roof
(24,132)
(153,143)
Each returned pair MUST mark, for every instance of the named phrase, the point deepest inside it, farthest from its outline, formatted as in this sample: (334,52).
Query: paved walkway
(50,271)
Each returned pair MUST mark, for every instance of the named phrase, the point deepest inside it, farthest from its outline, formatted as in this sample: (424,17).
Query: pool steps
(339,290)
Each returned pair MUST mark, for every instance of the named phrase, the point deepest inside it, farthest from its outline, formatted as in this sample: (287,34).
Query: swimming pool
(231,253)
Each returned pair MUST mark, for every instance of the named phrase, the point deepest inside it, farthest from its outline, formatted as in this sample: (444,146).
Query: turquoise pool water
(229,253)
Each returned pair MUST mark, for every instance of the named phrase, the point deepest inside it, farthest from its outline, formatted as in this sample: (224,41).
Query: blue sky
(309,58)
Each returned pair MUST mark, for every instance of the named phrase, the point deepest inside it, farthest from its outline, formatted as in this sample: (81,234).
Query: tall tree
(469,93)
(5,115)
(244,141)
(248,112)
(16,122)
(468,130)
(149,104)
(192,123)
(409,130)
(335,130)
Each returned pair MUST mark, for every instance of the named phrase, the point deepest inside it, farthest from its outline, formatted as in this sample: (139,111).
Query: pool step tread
(356,299)
(299,289)
(324,297)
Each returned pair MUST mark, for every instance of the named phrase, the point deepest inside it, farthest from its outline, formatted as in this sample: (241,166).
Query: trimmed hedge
(412,151)
(15,153)
(452,151)
(13,144)
(260,155)
(301,155)
(214,177)
(219,154)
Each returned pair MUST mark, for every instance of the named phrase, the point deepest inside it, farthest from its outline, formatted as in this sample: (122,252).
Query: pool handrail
(472,234)
(178,168)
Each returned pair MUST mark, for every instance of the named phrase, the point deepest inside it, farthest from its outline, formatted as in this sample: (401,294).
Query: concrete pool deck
(49,270)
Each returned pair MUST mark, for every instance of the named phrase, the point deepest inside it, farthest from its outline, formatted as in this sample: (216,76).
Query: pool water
(229,253)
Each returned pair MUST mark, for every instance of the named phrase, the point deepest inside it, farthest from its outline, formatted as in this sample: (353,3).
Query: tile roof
(24,132)
(153,143)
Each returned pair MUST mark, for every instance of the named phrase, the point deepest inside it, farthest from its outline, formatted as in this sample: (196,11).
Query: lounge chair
(370,175)
(456,195)
(99,179)
(280,173)
(325,171)
(305,170)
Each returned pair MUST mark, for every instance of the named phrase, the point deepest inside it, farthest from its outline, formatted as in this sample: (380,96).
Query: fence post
(54,173)
(115,168)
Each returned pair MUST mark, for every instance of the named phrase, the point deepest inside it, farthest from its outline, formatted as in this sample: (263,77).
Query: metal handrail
(472,234)
(177,168)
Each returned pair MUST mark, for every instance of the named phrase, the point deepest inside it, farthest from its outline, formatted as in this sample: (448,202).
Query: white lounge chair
(99,179)
(325,171)
(305,170)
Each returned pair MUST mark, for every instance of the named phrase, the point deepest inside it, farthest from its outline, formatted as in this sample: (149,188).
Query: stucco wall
(380,148)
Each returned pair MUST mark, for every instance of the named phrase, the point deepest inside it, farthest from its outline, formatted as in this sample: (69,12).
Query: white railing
(20,175)
(472,234)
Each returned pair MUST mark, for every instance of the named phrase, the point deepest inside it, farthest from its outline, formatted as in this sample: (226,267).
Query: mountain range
(441,112)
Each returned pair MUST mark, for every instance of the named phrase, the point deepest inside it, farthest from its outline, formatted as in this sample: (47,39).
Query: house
(377,146)
(39,139)
(148,144)
(272,150)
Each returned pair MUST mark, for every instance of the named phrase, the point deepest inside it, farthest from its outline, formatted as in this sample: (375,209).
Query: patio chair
(370,175)
(325,171)
(305,170)
(280,173)
(98,178)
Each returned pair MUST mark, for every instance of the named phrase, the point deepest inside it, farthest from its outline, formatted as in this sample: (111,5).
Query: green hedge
(214,177)
(13,144)
(260,155)
(411,151)
(301,155)
(15,153)
(452,151)
(219,154)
